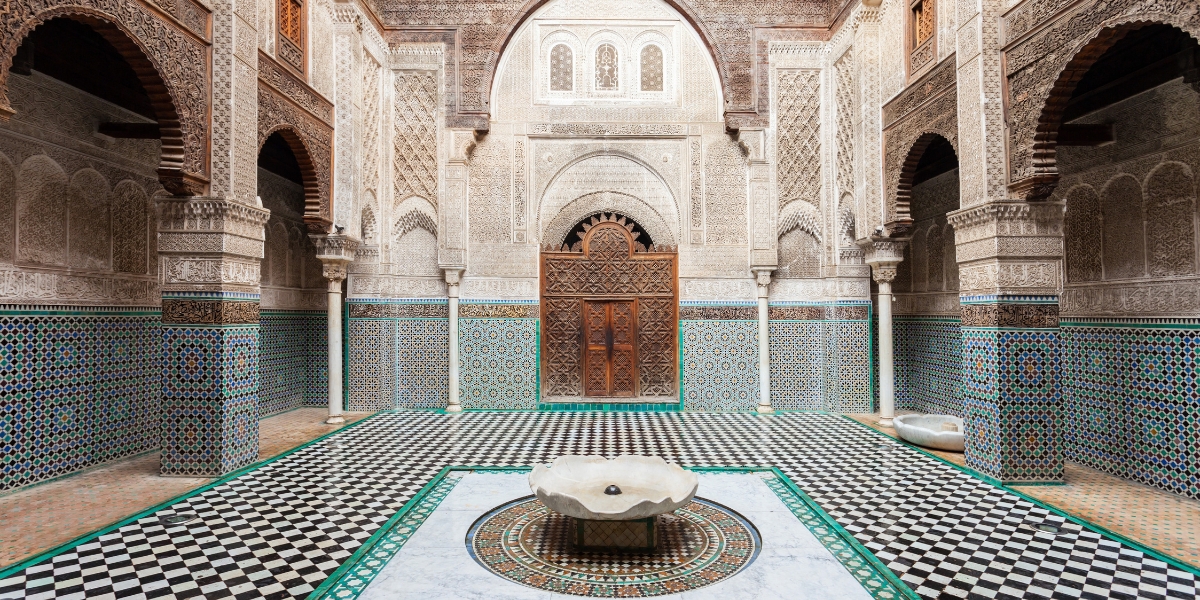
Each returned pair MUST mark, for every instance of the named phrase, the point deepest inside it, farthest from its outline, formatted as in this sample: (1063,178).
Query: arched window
(606,67)
(652,69)
(562,69)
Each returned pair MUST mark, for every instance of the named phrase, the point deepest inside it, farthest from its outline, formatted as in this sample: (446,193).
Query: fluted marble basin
(649,486)
(943,432)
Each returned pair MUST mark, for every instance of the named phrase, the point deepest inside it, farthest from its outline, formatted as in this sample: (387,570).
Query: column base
(885,422)
(454,408)
(765,409)
(335,420)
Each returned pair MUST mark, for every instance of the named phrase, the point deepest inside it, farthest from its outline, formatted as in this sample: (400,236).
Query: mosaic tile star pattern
(1132,401)
(698,545)
(422,363)
(939,529)
(720,365)
(209,399)
(77,389)
(498,363)
(294,364)
(928,355)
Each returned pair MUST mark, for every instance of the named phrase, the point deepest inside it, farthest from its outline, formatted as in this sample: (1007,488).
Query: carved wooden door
(609,316)
(609,362)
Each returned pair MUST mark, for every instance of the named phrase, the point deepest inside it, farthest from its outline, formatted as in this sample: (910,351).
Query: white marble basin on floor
(648,486)
(928,431)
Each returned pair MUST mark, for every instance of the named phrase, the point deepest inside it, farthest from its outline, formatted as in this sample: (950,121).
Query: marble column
(453,276)
(763,279)
(883,255)
(335,251)
(210,251)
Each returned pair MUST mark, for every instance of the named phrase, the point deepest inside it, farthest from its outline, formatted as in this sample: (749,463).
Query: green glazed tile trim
(371,557)
(33,560)
(872,574)
(354,575)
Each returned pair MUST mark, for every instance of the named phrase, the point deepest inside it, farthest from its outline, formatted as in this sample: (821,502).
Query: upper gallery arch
(573,61)
(169,61)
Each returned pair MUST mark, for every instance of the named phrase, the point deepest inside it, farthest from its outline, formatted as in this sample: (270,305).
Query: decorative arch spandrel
(311,140)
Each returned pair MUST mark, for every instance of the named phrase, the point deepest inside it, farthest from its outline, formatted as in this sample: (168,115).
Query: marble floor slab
(434,563)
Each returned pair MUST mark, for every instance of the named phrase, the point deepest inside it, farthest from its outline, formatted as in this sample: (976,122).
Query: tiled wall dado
(398,354)
(77,388)
(928,367)
(1132,399)
(498,355)
(293,363)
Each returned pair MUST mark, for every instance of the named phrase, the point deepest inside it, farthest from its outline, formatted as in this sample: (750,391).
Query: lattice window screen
(607,75)
(652,69)
(562,69)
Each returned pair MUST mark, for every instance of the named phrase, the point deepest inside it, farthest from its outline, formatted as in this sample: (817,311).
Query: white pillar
(764,343)
(335,352)
(887,391)
(883,254)
(452,279)
(335,251)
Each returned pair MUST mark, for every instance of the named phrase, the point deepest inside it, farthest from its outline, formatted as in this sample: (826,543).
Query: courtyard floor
(324,520)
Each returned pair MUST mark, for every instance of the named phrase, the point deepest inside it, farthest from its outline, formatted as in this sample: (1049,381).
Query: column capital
(335,251)
(453,279)
(762,277)
(1009,247)
(210,244)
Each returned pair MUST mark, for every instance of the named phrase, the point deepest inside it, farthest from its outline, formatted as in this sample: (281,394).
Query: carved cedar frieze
(1022,316)
(171,59)
(1043,63)
(929,106)
(300,111)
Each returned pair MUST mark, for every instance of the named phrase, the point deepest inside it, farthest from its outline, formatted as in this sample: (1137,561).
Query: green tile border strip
(1086,524)
(357,572)
(55,551)
(608,407)
(353,576)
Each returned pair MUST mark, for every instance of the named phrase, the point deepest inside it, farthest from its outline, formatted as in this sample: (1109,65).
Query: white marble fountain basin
(650,486)
(926,430)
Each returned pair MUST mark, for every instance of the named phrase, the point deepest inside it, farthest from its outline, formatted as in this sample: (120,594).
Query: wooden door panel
(595,358)
(622,366)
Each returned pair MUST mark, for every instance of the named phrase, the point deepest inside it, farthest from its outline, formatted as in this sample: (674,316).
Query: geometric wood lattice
(608,286)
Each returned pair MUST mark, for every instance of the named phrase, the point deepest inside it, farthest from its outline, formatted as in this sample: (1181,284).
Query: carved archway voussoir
(171,63)
(901,167)
(311,141)
(1045,68)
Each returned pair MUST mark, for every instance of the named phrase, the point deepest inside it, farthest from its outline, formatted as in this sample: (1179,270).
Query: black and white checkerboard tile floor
(278,531)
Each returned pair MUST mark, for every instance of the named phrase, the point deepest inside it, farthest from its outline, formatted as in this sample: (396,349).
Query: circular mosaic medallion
(699,544)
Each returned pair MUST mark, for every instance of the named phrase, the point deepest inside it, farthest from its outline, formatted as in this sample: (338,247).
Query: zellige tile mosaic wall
(720,365)
(77,388)
(498,362)
(293,367)
(398,354)
(928,359)
(820,357)
(1132,400)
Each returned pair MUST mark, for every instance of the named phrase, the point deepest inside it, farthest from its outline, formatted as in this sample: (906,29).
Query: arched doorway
(609,299)
(292,315)
(77,215)
(926,325)
(1127,163)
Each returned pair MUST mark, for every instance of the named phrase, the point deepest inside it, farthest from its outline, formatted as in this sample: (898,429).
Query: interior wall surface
(1129,304)
(293,325)
(927,327)
(80,323)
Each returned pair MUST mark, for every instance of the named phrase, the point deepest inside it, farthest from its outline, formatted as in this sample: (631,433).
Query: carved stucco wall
(77,221)
(291,273)
(929,106)
(1042,37)
(554,157)
(1131,233)
(734,33)
(927,281)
